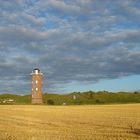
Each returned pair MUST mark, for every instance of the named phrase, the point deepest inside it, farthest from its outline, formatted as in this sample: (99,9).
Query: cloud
(81,41)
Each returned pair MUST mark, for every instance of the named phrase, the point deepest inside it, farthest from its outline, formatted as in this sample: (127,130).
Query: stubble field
(89,122)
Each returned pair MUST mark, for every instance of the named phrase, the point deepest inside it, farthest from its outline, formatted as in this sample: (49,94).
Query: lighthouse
(36,97)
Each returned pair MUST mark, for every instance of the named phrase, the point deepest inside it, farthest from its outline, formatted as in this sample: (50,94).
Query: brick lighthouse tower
(36,86)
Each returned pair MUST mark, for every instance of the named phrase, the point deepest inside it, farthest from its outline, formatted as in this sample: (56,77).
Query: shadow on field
(134,130)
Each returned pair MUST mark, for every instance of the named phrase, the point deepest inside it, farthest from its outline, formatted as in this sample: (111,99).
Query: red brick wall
(36,89)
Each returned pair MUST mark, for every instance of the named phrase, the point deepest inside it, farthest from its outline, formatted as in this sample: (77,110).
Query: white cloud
(84,41)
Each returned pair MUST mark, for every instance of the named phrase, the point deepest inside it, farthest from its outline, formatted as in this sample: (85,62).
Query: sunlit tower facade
(36,97)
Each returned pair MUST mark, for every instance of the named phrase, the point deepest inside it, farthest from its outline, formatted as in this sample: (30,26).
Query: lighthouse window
(36,89)
(36,81)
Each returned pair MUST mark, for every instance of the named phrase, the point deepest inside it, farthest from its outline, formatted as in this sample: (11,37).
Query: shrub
(50,102)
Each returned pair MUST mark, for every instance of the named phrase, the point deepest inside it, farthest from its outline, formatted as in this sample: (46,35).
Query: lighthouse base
(37,101)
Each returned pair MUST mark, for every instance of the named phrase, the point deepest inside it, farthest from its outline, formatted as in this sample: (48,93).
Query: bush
(50,102)
(99,101)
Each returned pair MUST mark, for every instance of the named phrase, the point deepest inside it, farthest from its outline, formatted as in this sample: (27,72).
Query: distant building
(74,97)
(7,101)
(64,103)
(36,86)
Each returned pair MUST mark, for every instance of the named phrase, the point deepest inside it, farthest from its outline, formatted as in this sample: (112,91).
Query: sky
(79,45)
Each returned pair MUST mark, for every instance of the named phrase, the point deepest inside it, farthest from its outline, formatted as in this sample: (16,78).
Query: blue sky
(79,45)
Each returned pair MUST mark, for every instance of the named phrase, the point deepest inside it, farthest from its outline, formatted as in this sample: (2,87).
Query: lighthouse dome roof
(36,70)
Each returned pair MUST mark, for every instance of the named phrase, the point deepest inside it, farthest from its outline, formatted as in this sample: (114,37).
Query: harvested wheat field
(89,122)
